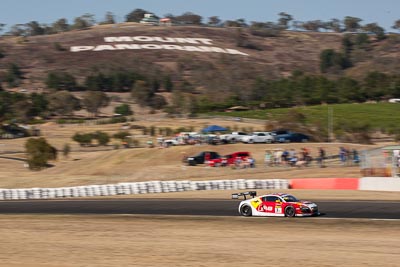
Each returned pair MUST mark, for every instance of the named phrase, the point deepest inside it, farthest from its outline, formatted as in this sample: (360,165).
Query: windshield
(290,198)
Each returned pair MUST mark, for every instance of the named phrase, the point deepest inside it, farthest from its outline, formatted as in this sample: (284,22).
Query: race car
(276,204)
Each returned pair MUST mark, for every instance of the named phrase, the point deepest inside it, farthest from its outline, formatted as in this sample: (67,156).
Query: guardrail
(150,187)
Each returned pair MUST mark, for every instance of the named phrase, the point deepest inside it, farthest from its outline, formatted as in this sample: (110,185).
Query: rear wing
(244,194)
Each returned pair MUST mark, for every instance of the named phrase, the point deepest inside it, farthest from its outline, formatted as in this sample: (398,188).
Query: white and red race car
(276,204)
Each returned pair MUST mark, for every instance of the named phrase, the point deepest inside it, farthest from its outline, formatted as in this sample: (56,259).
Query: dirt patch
(192,241)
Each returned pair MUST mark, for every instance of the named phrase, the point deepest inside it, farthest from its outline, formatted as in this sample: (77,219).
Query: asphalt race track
(329,209)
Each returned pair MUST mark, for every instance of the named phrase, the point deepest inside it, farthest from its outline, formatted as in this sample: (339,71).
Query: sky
(47,11)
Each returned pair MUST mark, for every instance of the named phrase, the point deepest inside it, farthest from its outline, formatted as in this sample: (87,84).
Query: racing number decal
(278,209)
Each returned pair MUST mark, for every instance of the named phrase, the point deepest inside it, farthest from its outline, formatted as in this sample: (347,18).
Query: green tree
(39,152)
(63,103)
(94,100)
(362,40)
(284,19)
(189,18)
(142,93)
(13,75)
(334,25)
(168,85)
(396,25)
(34,28)
(18,30)
(85,21)
(214,21)
(102,138)
(375,29)
(124,110)
(352,24)
(109,18)
(83,139)
(60,25)
(136,15)
(2,25)
(61,81)
(39,104)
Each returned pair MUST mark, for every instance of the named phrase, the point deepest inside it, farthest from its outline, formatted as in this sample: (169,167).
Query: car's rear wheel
(304,140)
(290,211)
(268,141)
(245,210)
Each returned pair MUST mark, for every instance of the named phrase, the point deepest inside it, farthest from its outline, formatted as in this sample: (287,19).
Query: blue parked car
(284,136)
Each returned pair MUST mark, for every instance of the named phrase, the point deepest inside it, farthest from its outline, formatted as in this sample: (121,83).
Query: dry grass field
(138,240)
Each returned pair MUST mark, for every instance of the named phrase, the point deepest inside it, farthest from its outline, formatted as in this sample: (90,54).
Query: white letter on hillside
(204,40)
(172,47)
(127,46)
(143,38)
(81,48)
(104,47)
(151,46)
(235,52)
(193,48)
(117,39)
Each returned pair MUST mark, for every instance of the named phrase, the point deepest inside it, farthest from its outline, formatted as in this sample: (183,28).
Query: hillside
(225,67)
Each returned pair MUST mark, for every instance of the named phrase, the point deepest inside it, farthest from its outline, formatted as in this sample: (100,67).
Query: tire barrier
(151,187)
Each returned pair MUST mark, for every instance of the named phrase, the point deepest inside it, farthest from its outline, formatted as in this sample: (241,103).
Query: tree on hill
(17,30)
(136,15)
(108,19)
(13,75)
(2,25)
(312,25)
(352,24)
(334,25)
(63,103)
(375,29)
(396,25)
(34,28)
(61,81)
(39,153)
(189,18)
(284,19)
(60,25)
(94,100)
(214,21)
(124,110)
(85,21)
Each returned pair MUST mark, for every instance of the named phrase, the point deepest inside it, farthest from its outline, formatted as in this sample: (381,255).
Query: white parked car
(258,137)
(232,137)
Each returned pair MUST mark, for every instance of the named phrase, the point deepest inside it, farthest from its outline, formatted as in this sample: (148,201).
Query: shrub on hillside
(39,153)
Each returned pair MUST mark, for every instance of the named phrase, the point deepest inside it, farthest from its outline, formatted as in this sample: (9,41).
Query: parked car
(232,137)
(276,204)
(258,137)
(228,159)
(284,136)
(202,157)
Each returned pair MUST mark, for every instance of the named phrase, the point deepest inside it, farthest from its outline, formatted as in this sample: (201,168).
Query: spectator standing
(268,158)
(321,157)
(343,155)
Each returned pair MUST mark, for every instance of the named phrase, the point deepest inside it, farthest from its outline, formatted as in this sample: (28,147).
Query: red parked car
(229,159)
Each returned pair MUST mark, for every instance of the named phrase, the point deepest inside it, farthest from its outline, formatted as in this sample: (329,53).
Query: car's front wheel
(290,211)
(245,210)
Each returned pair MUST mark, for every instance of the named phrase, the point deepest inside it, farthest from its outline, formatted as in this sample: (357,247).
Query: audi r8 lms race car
(276,204)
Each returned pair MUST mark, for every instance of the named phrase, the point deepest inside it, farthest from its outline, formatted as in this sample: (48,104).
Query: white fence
(139,188)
